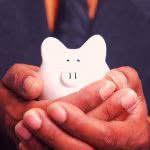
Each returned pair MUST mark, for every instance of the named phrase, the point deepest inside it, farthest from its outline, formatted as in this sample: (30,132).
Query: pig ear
(51,47)
(95,46)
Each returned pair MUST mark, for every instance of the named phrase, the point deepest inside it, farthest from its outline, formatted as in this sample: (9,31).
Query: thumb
(134,105)
(116,107)
(24,80)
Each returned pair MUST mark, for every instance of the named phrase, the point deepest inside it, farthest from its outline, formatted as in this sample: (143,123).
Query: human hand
(24,80)
(14,80)
(131,133)
(102,134)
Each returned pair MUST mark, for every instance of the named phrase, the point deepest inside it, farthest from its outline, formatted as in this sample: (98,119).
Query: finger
(117,107)
(99,134)
(91,96)
(32,144)
(22,132)
(78,124)
(24,80)
(28,141)
(136,121)
(118,78)
(87,98)
(128,78)
(140,109)
(39,124)
(97,91)
(133,79)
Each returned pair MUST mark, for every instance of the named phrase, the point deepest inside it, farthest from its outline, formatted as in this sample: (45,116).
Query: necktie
(72,26)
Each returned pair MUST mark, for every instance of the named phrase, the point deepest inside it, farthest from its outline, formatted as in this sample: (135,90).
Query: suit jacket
(124,24)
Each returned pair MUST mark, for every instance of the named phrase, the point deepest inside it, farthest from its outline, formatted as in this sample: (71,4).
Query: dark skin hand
(113,125)
(21,85)
(84,101)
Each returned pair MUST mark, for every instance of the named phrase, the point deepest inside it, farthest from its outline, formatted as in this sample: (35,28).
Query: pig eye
(78,60)
(67,60)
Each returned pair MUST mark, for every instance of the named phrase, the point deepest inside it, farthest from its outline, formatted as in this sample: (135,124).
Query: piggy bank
(65,71)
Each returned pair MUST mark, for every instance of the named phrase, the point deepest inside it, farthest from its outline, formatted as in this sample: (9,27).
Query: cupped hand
(120,122)
(21,86)
(24,80)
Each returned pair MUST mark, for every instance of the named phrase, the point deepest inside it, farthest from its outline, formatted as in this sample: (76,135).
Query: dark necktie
(72,26)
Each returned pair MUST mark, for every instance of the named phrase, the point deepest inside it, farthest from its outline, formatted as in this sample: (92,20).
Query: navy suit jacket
(124,24)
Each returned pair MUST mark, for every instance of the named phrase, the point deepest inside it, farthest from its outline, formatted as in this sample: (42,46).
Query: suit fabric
(124,24)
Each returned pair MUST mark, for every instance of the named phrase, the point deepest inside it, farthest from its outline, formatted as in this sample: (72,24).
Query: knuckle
(109,138)
(132,71)
(118,78)
(12,75)
(53,136)
(131,75)
(85,99)
(16,78)
(108,113)
(15,66)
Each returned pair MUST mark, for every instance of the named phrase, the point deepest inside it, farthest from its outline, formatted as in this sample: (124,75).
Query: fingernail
(128,99)
(33,120)
(107,89)
(30,84)
(22,132)
(57,113)
(22,146)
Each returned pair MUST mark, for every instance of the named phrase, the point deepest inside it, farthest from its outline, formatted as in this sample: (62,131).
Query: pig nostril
(70,79)
(69,75)
(75,75)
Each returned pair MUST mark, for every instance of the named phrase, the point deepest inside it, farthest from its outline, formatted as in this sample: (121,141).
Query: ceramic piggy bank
(65,71)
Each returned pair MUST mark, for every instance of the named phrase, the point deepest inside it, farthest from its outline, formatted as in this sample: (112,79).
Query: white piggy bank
(65,71)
